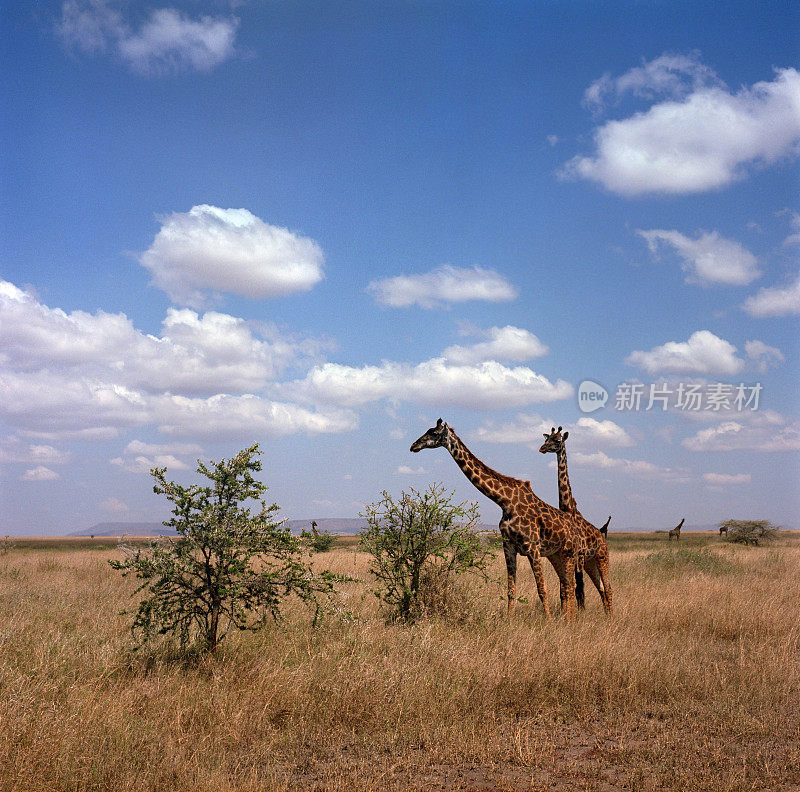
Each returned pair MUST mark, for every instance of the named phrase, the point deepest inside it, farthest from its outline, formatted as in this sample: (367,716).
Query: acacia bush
(419,544)
(749,532)
(318,541)
(228,567)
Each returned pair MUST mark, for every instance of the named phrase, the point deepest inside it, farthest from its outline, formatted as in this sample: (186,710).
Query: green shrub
(419,544)
(227,567)
(749,532)
(318,541)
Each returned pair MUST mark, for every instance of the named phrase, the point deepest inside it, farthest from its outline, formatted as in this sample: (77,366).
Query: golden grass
(694,685)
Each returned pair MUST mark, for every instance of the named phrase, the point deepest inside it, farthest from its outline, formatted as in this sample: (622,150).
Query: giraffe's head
(553,442)
(435,436)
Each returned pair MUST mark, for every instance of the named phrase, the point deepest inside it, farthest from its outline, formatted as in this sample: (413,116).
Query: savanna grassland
(694,684)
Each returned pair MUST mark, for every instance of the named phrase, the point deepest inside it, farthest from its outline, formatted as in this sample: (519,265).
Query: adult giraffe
(529,526)
(596,561)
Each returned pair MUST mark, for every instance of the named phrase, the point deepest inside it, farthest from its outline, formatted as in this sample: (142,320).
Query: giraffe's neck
(492,484)
(565,500)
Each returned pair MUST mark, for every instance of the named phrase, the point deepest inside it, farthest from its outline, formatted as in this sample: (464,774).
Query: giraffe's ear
(545,435)
(565,436)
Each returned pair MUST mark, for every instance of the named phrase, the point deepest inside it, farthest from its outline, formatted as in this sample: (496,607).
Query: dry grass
(694,685)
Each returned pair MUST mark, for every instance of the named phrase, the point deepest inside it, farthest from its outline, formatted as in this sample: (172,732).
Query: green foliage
(750,532)
(318,541)
(418,544)
(228,567)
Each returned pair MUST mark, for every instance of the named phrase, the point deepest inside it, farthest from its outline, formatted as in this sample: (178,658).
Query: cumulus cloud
(443,286)
(703,141)
(703,353)
(435,382)
(83,376)
(775,301)
(114,505)
(709,258)
(196,354)
(13,450)
(207,251)
(39,473)
(673,75)
(635,467)
(726,479)
(528,429)
(167,41)
(762,432)
(503,343)
(762,356)
(405,470)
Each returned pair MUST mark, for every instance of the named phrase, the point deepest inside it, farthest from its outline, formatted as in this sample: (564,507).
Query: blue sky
(321,226)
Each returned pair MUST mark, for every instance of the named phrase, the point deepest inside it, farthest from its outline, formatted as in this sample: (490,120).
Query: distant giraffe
(529,526)
(676,531)
(604,528)
(723,529)
(596,560)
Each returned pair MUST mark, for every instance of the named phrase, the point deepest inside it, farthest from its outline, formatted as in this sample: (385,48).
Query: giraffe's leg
(580,598)
(565,569)
(511,567)
(605,577)
(536,566)
(593,569)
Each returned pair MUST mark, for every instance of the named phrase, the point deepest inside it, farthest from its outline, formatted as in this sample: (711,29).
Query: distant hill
(126,529)
(334,525)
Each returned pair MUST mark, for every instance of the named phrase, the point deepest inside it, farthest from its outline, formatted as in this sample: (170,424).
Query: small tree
(318,541)
(750,532)
(418,543)
(227,567)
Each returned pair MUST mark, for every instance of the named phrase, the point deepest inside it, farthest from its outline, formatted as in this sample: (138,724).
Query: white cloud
(725,479)
(13,450)
(504,343)
(703,353)
(207,251)
(405,470)
(635,467)
(442,286)
(762,356)
(775,301)
(87,377)
(168,41)
(435,382)
(668,75)
(763,432)
(701,142)
(196,354)
(529,429)
(709,258)
(39,473)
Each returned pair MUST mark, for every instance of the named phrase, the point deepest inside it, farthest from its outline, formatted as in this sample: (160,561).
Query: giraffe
(676,531)
(596,560)
(529,526)
(723,529)
(604,528)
